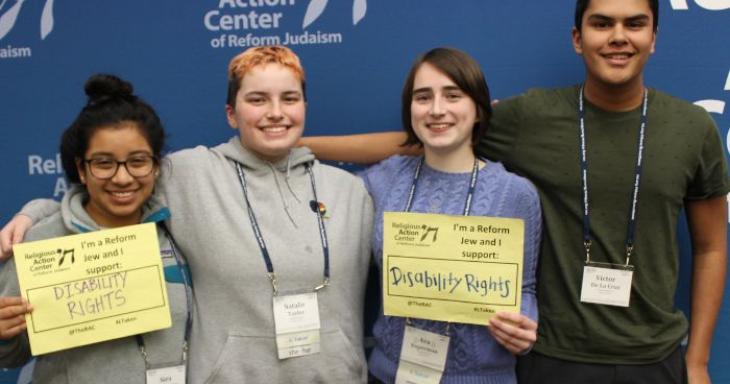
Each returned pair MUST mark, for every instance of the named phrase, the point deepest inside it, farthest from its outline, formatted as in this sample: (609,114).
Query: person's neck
(614,98)
(108,221)
(450,161)
(273,159)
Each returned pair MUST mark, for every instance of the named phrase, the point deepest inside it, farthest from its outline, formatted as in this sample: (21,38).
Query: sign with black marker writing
(92,287)
(460,269)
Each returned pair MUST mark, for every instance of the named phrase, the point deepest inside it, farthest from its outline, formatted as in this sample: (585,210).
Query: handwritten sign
(460,269)
(92,287)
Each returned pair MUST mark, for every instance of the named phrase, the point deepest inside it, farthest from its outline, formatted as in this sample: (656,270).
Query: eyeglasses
(104,168)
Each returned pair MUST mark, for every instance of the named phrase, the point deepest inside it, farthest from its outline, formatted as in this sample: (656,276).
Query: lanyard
(469,194)
(260,238)
(631,230)
(467,203)
(188,300)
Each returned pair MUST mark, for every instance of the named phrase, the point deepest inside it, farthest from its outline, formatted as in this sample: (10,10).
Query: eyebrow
(255,93)
(600,17)
(446,88)
(638,18)
(266,94)
(109,154)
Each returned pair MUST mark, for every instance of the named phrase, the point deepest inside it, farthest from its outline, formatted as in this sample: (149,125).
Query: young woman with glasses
(110,154)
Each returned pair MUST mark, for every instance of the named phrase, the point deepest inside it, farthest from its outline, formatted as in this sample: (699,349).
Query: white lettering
(711,5)
(253,3)
(11,52)
(34,165)
(679,5)
(207,21)
(230,3)
(252,41)
(712,106)
(714,5)
(214,21)
(49,166)
(39,166)
(61,187)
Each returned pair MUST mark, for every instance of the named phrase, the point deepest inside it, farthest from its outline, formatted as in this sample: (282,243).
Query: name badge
(167,375)
(296,320)
(422,357)
(606,286)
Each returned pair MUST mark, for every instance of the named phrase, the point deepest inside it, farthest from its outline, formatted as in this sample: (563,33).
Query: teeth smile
(122,194)
(275,129)
(617,56)
(439,125)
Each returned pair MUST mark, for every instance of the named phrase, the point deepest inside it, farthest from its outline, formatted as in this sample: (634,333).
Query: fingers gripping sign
(12,234)
(12,316)
(516,332)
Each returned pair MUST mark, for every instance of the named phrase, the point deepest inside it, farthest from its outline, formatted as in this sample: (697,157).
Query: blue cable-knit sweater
(474,355)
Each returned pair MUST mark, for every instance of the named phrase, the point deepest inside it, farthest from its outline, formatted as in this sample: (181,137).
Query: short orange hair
(258,57)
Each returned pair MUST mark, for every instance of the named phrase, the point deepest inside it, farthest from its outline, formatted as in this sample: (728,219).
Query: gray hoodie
(116,361)
(233,333)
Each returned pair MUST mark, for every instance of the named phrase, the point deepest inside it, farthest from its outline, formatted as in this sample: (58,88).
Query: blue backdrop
(356,53)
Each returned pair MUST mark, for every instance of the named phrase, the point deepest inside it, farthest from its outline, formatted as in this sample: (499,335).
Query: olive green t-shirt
(536,135)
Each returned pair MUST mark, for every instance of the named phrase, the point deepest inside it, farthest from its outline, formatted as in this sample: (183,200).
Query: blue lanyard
(631,228)
(467,203)
(469,194)
(188,299)
(262,243)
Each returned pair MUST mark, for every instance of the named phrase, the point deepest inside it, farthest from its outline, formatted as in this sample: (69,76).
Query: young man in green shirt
(615,163)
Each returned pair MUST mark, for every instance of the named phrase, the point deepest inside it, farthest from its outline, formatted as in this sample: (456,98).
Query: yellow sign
(460,269)
(92,287)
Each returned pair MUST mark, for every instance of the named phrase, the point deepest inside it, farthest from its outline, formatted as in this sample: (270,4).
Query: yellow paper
(92,287)
(460,269)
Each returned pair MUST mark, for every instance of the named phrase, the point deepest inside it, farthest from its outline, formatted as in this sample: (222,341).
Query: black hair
(582,5)
(465,72)
(111,102)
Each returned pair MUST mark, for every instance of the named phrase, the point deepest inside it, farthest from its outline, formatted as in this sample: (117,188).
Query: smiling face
(615,40)
(269,111)
(442,115)
(117,201)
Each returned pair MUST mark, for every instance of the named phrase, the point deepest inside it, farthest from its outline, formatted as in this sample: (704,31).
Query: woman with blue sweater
(446,109)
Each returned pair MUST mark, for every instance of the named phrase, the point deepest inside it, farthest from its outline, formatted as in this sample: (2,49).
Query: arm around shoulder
(366,148)
(14,231)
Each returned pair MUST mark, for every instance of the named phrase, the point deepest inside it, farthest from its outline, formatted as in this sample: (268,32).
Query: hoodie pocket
(253,359)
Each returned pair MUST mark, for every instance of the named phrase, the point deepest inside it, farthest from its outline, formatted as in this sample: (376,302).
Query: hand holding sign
(92,287)
(516,332)
(12,316)
(460,269)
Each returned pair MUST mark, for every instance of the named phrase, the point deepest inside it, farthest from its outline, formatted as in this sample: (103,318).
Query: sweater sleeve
(533,230)
(38,209)
(378,177)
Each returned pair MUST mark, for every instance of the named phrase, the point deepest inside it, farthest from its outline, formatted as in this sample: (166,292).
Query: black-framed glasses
(104,168)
